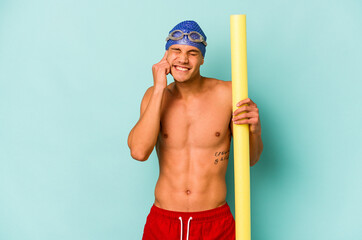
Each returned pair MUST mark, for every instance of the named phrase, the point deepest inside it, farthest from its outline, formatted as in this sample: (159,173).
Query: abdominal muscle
(190,179)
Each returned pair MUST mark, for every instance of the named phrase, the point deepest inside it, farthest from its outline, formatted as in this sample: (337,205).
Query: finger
(165,66)
(252,103)
(168,70)
(245,109)
(252,121)
(245,121)
(240,110)
(165,56)
(246,101)
(245,116)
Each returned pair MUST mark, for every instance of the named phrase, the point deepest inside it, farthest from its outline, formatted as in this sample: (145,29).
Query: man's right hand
(143,136)
(160,71)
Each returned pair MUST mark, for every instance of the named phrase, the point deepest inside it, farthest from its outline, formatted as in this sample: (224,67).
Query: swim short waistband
(211,214)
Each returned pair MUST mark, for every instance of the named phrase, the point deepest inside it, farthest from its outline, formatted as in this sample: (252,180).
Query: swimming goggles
(193,36)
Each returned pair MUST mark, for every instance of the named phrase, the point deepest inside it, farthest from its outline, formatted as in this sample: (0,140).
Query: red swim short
(214,224)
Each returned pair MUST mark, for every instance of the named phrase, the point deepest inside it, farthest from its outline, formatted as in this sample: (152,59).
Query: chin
(180,78)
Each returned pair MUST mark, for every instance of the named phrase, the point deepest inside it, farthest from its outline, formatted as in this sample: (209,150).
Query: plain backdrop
(73,73)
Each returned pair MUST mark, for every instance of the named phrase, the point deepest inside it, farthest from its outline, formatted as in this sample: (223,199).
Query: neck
(189,88)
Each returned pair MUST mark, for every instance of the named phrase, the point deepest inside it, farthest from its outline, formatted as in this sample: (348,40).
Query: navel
(188,192)
(165,135)
(217,134)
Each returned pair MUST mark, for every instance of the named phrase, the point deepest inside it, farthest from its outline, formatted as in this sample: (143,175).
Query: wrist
(158,89)
(255,134)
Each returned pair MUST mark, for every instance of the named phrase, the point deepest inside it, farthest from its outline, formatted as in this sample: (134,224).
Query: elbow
(139,155)
(252,163)
(136,153)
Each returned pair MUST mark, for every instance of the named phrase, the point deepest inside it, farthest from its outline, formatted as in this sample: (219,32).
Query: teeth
(181,68)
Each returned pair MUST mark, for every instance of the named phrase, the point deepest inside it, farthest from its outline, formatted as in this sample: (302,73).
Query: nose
(183,58)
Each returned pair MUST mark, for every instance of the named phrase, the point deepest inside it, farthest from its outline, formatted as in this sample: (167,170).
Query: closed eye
(176,49)
(194,53)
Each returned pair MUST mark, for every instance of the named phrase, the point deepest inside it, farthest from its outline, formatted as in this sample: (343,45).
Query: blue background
(73,73)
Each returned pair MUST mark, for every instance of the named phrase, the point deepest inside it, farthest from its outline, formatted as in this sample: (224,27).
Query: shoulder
(221,90)
(219,85)
(146,99)
(147,94)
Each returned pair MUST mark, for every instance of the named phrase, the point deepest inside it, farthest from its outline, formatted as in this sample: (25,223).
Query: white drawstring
(188,228)
(181,227)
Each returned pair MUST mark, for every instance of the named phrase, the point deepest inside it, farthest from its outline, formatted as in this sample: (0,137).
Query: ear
(202,61)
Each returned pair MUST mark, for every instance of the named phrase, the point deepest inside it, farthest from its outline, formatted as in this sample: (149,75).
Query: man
(190,121)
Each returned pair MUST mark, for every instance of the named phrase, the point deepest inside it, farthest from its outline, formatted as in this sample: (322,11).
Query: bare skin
(190,124)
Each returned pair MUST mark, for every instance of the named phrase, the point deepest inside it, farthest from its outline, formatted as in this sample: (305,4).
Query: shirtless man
(190,121)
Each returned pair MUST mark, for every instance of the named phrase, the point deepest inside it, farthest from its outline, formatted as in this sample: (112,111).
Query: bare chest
(200,123)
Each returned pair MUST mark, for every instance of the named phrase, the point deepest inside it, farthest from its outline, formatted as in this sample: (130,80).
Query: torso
(193,148)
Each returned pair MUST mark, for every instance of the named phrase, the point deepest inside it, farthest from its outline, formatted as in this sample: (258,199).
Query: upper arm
(145,100)
(144,103)
(229,87)
(232,127)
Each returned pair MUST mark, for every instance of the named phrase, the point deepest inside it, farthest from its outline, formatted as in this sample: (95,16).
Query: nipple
(217,134)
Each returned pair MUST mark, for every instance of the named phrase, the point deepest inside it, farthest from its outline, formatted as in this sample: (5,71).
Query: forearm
(255,147)
(143,136)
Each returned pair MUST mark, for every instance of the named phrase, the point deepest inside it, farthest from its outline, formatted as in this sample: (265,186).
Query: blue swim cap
(186,27)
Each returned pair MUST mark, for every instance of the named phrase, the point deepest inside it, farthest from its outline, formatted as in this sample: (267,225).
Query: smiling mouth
(183,69)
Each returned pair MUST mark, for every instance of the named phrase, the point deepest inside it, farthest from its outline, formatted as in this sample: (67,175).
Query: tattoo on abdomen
(221,156)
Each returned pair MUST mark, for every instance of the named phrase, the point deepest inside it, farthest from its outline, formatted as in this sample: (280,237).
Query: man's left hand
(247,113)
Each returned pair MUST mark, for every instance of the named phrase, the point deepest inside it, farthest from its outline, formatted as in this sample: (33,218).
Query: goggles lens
(176,35)
(193,36)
